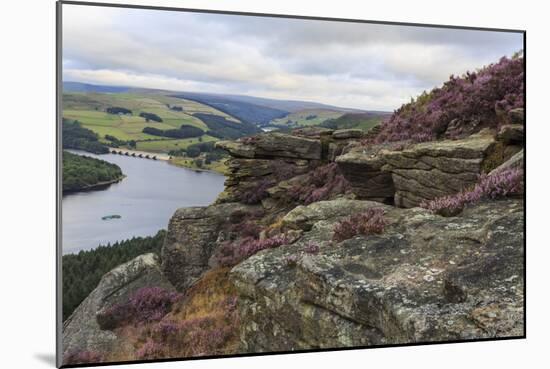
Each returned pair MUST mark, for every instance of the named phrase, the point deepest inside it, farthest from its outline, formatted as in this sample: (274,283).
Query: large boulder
(81,331)
(433,169)
(192,238)
(424,279)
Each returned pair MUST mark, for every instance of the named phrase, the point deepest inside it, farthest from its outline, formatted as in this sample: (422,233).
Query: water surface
(145,200)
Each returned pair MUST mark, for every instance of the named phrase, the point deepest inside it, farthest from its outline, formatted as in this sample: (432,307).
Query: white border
(27,309)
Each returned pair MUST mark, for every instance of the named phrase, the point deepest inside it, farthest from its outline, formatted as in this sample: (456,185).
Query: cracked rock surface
(425,279)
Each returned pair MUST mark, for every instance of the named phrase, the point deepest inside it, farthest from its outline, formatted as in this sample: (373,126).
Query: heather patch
(83,357)
(233,252)
(148,304)
(366,223)
(498,185)
(462,106)
(321,184)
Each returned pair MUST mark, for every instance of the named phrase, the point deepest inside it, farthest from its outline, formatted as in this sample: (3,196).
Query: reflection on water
(145,201)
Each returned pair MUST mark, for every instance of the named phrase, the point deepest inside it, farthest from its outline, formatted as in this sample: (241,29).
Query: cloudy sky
(358,65)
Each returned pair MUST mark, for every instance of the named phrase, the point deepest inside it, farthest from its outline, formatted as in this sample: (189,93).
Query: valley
(179,124)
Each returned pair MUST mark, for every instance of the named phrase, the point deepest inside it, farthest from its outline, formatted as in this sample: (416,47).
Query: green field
(216,166)
(364,121)
(299,119)
(89,109)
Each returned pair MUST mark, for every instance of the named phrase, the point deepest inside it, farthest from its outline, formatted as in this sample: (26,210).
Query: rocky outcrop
(433,169)
(193,237)
(260,162)
(363,169)
(246,177)
(273,144)
(81,331)
(423,171)
(424,279)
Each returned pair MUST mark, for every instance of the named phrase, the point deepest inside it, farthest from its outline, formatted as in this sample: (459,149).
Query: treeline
(195,150)
(115,142)
(82,271)
(222,128)
(82,172)
(79,138)
(118,110)
(174,107)
(150,116)
(184,131)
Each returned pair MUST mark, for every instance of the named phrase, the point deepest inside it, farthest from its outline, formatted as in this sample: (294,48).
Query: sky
(355,65)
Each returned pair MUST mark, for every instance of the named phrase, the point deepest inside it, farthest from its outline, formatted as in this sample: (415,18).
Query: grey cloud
(351,64)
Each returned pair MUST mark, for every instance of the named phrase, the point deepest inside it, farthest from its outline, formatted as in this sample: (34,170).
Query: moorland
(329,235)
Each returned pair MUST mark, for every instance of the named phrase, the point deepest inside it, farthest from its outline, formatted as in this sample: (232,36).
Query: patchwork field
(89,109)
(115,118)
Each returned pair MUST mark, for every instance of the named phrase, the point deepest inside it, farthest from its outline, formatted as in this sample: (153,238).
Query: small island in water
(109,217)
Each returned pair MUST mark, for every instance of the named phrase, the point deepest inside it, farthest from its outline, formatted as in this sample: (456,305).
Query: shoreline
(96,186)
(160,156)
(196,169)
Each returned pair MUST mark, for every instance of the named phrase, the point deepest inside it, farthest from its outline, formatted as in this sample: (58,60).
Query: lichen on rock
(424,279)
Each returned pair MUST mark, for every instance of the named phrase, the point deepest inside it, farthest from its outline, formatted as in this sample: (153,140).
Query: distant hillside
(85,87)
(307,117)
(364,121)
(222,128)
(255,110)
(244,111)
(292,106)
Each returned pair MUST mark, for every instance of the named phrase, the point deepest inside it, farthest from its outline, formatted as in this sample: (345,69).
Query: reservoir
(145,200)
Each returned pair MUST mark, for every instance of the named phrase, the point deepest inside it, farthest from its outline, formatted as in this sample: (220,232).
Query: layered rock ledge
(423,171)
(435,169)
(261,161)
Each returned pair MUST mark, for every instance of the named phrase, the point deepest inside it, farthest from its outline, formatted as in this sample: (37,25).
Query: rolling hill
(170,122)
(364,121)
(251,109)
(244,111)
